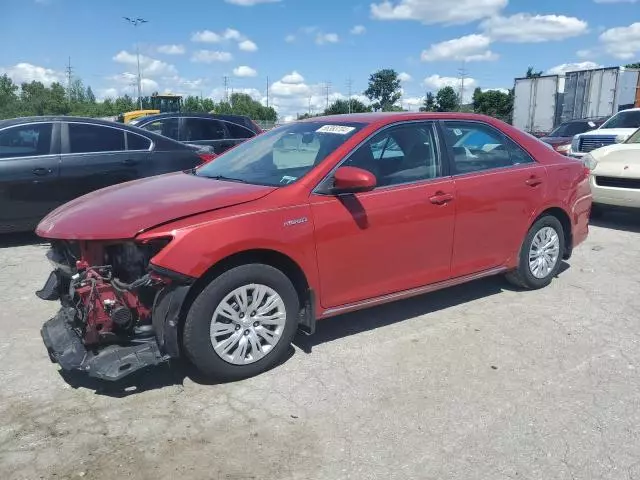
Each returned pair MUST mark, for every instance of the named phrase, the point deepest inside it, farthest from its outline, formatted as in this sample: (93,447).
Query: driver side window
(399,155)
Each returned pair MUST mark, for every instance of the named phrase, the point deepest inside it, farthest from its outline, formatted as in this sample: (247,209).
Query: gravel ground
(475,382)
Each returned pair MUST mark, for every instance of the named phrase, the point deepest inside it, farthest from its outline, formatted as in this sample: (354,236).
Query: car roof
(215,116)
(382,118)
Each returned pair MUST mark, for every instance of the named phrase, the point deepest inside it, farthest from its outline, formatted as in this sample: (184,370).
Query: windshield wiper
(225,179)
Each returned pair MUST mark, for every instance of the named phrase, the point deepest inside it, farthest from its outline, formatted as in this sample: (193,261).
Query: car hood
(124,210)
(556,140)
(608,131)
(621,160)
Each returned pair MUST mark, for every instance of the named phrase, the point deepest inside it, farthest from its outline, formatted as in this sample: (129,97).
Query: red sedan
(222,264)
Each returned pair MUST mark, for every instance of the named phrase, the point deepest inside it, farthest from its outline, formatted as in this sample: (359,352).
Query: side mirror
(353,180)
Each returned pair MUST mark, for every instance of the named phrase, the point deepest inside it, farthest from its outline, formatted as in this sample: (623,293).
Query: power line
(349,84)
(226,88)
(135,22)
(327,87)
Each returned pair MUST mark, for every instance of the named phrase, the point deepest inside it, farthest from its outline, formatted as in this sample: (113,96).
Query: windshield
(570,129)
(635,138)
(628,119)
(282,155)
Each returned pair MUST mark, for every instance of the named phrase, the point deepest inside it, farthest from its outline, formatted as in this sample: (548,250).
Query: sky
(306,49)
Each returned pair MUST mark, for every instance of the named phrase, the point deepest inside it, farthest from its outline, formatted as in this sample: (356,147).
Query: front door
(29,168)
(399,235)
(498,187)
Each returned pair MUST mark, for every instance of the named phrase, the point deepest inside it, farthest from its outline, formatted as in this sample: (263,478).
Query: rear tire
(242,323)
(540,255)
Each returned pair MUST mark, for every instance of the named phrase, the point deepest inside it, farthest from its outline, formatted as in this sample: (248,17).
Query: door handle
(130,161)
(41,172)
(533,181)
(440,198)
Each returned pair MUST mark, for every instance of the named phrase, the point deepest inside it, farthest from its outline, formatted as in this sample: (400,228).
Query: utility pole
(135,22)
(327,88)
(226,87)
(349,83)
(462,72)
(69,71)
(267,92)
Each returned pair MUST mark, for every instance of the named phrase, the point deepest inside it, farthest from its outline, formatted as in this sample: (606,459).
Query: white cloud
(247,46)
(290,38)
(358,30)
(323,38)
(292,78)
(210,56)
(572,67)
(149,66)
(527,28)
(436,82)
(127,83)
(622,42)
(172,49)
(244,71)
(585,53)
(437,11)
(26,72)
(206,36)
(404,77)
(469,48)
(249,3)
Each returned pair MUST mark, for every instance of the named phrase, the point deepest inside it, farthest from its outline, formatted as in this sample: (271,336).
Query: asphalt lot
(476,382)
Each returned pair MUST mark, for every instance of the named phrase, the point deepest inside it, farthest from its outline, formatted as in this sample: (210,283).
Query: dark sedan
(218,131)
(47,161)
(560,138)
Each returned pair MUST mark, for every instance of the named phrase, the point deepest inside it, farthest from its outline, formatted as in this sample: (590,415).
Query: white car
(615,174)
(615,130)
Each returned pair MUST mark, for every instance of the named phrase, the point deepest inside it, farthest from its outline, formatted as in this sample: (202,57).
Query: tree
(493,102)
(532,74)
(447,100)
(8,97)
(384,89)
(77,92)
(633,65)
(207,105)
(192,104)
(429,104)
(89,96)
(342,106)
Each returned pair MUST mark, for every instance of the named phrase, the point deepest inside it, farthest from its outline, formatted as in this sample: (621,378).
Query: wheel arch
(270,257)
(565,220)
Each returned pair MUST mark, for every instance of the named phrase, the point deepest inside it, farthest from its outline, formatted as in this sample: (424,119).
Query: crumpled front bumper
(113,362)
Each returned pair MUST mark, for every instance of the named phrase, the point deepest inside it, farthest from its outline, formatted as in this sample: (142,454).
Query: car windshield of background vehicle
(629,119)
(280,156)
(635,138)
(571,129)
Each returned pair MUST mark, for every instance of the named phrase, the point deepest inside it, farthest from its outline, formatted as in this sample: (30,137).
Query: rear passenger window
(26,140)
(169,127)
(477,147)
(238,131)
(203,129)
(85,138)
(137,142)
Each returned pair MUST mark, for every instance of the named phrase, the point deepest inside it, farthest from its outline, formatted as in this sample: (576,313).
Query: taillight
(207,157)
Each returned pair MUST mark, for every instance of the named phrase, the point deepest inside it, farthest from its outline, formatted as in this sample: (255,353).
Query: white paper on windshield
(591,124)
(457,132)
(339,129)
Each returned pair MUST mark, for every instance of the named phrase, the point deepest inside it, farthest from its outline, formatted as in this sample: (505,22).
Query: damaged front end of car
(118,313)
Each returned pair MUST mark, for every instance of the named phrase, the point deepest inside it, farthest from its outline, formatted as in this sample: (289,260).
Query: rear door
(205,131)
(498,187)
(93,156)
(29,169)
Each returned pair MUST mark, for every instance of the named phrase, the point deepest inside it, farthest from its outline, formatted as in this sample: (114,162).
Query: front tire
(540,255)
(242,323)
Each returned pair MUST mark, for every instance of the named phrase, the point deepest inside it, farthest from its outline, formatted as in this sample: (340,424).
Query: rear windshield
(570,129)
